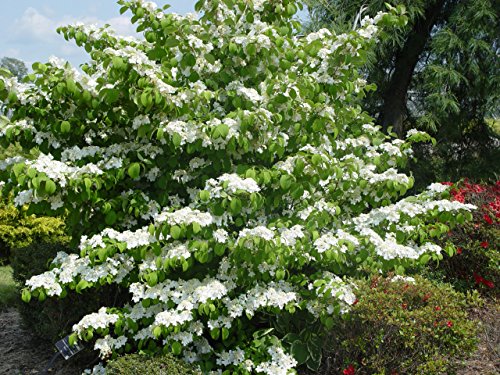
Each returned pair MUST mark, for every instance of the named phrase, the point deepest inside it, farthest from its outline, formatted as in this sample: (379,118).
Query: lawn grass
(9,293)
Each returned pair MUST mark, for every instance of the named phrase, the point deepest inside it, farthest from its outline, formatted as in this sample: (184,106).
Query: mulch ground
(22,354)
(486,360)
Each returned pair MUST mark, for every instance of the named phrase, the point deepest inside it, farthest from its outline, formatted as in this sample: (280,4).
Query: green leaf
(176,348)
(176,140)
(110,217)
(215,333)
(175,232)
(157,332)
(223,130)
(65,127)
(26,295)
(73,338)
(82,284)
(286,182)
(424,259)
(18,168)
(204,196)
(134,170)
(196,228)
(225,333)
(50,187)
(235,206)
(299,352)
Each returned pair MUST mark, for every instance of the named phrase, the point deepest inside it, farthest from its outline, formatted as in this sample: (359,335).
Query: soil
(21,353)
(486,360)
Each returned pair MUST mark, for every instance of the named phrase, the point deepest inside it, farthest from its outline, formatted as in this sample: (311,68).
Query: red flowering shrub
(477,260)
(401,326)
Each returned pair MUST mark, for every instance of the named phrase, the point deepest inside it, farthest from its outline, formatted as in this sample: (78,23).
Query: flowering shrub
(222,171)
(402,325)
(477,261)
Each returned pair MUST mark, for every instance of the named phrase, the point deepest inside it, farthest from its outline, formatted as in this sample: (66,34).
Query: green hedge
(135,364)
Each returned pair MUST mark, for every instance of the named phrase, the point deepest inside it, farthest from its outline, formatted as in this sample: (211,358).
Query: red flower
(404,306)
(447,183)
(484,244)
(459,250)
(449,323)
(479,279)
(437,308)
(489,284)
(355,302)
(488,219)
(350,370)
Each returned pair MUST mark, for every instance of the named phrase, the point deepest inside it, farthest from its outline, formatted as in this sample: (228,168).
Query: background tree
(439,72)
(17,67)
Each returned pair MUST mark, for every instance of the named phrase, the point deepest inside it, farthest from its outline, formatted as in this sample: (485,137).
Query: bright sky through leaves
(28,27)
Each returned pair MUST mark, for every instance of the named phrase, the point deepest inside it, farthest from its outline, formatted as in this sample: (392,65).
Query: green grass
(9,293)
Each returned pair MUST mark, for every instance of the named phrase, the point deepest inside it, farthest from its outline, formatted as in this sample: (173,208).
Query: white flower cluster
(108,344)
(260,231)
(332,240)
(289,236)
(133,239)
(231,183)
(98,320)
(61,172)
(221,236)
(405,279)
(46,281)
(274,294)
(280,363)
(185,216)
(98,369)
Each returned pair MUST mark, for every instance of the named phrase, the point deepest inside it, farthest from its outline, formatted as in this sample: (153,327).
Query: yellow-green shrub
(135,364)
(17,229)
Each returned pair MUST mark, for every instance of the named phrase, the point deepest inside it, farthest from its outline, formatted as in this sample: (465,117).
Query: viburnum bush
(222,170)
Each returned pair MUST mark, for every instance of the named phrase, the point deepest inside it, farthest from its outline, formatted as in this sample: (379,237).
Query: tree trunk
(395,96)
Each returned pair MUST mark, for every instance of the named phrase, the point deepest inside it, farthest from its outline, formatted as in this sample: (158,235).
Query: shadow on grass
(9,293)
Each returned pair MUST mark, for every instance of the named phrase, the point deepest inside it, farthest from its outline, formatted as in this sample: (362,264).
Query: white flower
(260,231)
(186,216)
(280,363)
(289,236)
(100,319)
(220,235)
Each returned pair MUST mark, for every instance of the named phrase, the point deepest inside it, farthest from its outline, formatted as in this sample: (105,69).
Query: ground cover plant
(223,172)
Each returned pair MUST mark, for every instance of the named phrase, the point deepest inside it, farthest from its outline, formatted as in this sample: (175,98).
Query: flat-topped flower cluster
(222,171)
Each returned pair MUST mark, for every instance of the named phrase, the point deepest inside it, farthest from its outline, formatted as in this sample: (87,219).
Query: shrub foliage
(403,326)
(222,171)
(19,230)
